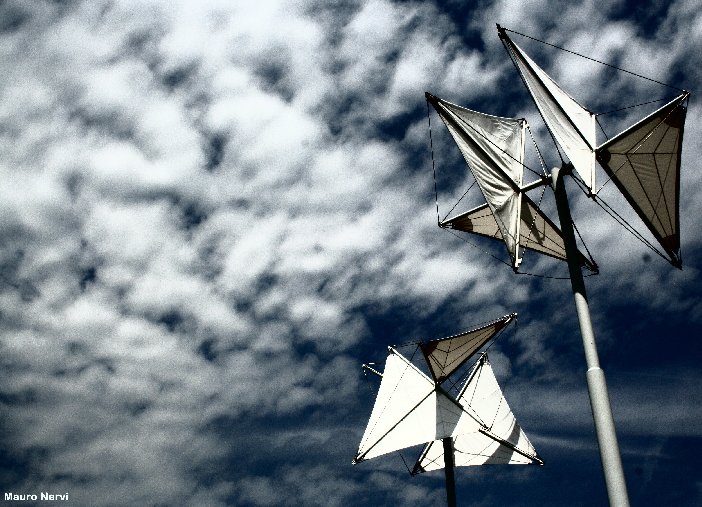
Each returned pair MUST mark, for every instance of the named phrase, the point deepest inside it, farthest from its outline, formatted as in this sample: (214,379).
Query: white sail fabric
(487,432)
(408,411)
(493,147)
(446,355)
(572,125)
(537,231)
(644,163)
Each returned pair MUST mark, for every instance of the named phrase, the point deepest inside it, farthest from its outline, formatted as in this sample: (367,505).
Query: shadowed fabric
(537,231)
(644,163)
(444,356)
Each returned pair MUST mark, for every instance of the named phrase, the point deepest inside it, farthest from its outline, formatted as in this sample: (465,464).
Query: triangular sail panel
(446,355)
(572,125)
(493,147)
(644,163)
(487,432)
(409,410)
(537,231)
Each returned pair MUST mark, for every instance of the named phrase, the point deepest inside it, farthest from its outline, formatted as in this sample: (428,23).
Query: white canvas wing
(572,125)
(408,411)
(493,147)
(487,432)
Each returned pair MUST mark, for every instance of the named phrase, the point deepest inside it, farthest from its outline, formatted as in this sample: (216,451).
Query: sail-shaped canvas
(412,409)
(446,355)
(409,410)
(643,160)
(496,439)
(571,124)
(644,163)
(537,231)
(493,147)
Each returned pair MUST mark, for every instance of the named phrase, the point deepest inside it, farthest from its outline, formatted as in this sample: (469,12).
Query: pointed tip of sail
(445,355)
(417,469)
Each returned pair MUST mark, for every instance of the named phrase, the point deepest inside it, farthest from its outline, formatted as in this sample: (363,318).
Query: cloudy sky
(211,213)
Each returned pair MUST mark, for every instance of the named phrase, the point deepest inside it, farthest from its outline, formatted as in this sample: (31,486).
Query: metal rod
(596,383)
(448,470)
(510,445)
(373,370)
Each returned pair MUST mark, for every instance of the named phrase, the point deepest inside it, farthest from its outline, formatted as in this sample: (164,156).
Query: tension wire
(596,61)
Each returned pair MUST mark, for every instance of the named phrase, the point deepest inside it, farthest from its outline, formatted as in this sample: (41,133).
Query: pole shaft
(448,470)
(596,383)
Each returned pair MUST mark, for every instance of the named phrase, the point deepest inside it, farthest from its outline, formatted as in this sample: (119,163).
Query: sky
(212,213)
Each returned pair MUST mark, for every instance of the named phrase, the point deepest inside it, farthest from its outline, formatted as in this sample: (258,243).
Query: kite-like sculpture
(473,428)
(643,161)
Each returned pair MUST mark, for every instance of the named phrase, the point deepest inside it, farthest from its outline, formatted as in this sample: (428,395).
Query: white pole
(596,383)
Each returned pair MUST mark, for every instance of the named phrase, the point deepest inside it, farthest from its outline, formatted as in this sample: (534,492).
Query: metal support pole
(448,470)
(596,383)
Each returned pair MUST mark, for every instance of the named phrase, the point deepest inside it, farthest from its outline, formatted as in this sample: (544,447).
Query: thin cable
(630,107)
(587,192)
(619,219)
(498,335)
(544,276)
(533,222)
(477,380)
(405,463)
(454,384)
(368,382)
(476,246)
(596,61)
(497,411)
(597,120)
(582,185)
(433,167)
(589,254)
(459,200)
(538,152)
